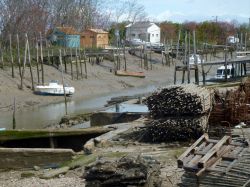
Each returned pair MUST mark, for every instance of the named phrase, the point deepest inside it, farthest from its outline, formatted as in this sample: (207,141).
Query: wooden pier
(240,65)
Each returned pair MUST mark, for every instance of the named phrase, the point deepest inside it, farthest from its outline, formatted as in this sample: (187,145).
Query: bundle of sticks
(179,101)
(179,113)
(174,129)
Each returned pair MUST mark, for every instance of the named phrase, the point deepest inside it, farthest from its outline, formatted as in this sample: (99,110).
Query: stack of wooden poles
(178,113)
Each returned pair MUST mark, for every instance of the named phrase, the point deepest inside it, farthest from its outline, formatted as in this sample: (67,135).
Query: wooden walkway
(242,65)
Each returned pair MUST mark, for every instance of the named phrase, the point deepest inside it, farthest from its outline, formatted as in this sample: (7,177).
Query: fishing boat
(221,72)
(54,88)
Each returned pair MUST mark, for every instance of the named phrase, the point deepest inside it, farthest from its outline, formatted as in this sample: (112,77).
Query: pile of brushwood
(178,113)
(127,171)
(186,100)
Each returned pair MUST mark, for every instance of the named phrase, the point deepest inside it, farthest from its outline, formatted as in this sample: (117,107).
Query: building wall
(102,40)
(87,39)
(62,39)
(72,41)
(92,39)
(151,34)
(155,34)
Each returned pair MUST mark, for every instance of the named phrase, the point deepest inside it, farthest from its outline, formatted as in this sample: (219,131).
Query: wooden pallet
(216,163)
(206,153)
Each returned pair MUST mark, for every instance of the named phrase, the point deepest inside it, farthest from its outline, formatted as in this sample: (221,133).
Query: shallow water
(43,116)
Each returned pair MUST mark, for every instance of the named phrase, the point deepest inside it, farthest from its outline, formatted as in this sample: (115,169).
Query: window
(83,36)
(152,35)
(133,35)
(157,35)
(91,36)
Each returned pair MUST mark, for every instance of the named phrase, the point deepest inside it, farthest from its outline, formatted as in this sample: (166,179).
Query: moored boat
(53,88)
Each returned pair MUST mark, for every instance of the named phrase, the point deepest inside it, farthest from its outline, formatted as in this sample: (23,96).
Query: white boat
(53,88)
(221,73)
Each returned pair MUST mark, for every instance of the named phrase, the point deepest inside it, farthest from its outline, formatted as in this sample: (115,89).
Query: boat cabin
(221,72)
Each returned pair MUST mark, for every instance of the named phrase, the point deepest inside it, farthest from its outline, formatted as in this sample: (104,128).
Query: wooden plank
(213,151)
(191,149)
(131,74)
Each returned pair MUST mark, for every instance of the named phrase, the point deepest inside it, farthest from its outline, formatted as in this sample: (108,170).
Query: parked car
(135,42)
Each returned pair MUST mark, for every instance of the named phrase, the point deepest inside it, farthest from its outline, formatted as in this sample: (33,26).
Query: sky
(197,10)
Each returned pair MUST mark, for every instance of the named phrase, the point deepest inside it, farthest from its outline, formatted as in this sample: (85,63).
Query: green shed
(64,36)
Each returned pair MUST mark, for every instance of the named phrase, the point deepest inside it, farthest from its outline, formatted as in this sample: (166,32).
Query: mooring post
(175,74)
(18,56)
(195,60)
(188,57)
(65,99)
(183,76)
(71,64)
(85,63)
(203,72)
(185,57)
(117,107)
(225,64)
(41,47)
(178,44)
(12,60)
(14,114)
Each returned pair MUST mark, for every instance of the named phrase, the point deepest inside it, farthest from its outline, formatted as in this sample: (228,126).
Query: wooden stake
(195,60)
(124,56)
(1,55)
(80,61)
(24,64)
(185,52)
(29,60)
(188,58)
(14,114)
(41,47)
(65,99)
(85,63)
(37,62)
(12,60)
(225,64)
(18,56)
(64,60)
(178,44)
(77,71)
(71,64)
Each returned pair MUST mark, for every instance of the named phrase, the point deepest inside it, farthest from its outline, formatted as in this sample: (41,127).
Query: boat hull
(58,91)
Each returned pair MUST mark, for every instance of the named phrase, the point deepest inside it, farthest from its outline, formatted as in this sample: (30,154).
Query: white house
(145,31)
